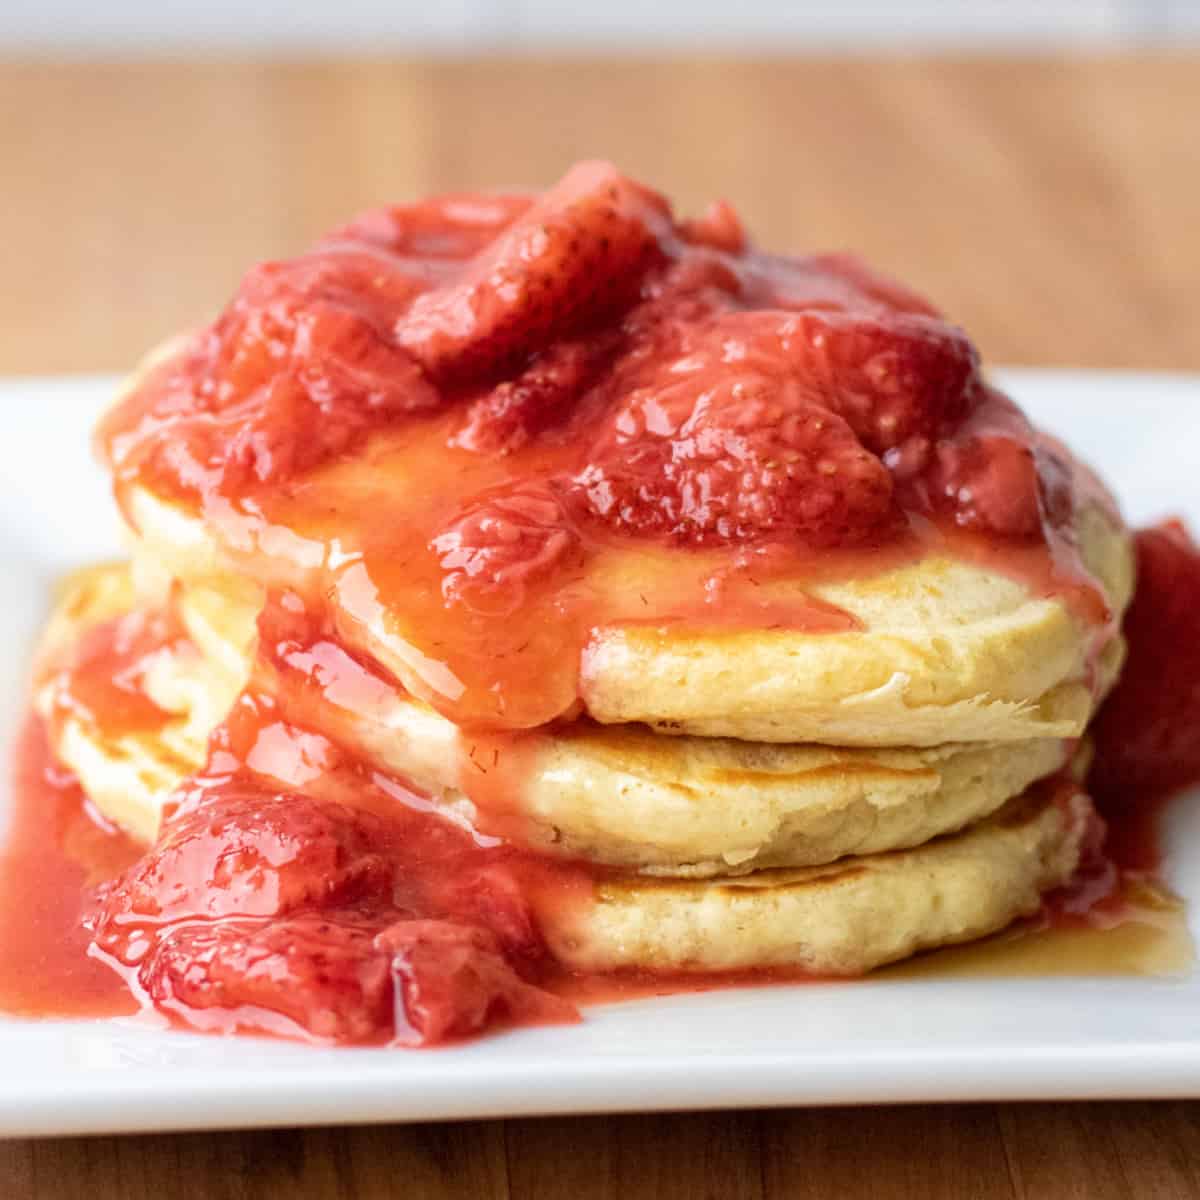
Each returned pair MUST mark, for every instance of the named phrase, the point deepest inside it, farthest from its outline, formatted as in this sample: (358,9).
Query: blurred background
(1032,165)
(288,26)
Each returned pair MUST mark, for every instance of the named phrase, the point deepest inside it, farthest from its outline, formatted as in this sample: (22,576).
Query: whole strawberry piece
(321,973)
(1148,732)
(749,457)
(253,854)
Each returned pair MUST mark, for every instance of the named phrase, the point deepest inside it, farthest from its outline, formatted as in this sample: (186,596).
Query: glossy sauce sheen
(56,850)
(482,429)
(304,943)
(295,892)
(102,678)
(473,424)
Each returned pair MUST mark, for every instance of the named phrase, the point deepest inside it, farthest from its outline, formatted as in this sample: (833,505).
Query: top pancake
(949,651)
(540,456)
(946,650)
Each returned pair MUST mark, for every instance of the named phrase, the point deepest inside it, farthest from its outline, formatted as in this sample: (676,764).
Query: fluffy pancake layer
(841,919)
(623,796)
(866,909)
(949,651)
(128,773)
(946,650)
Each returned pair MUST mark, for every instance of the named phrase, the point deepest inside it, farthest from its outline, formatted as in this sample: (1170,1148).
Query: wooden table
(1053,207)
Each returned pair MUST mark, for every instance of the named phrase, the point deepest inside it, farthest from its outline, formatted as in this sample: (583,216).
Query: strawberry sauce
(1147,734)
(343,912)
(295,891)
(451,443)
(472,432)
(346,913)
(56,849)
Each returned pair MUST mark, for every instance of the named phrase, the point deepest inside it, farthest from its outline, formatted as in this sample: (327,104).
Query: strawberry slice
(251,855)
(749,423)
(324,974)
(578,252)
(503,543)
(452,980)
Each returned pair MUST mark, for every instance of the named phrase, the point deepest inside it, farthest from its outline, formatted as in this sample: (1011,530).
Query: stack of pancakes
(825,801)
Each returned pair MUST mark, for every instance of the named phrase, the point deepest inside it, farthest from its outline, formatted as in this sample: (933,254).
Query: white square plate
(869,1042)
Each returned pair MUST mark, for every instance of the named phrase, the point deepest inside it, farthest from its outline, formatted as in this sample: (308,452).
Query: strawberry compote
(478,429)
(294,891)
(464,425)
(291,889)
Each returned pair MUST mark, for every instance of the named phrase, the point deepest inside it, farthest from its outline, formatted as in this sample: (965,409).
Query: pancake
(950,651)
(127,773)
(618,795)
(653,473)
(548,578)
(841,919)
(945,650)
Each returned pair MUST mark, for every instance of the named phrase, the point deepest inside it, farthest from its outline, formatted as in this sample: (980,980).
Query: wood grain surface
(1051,206)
